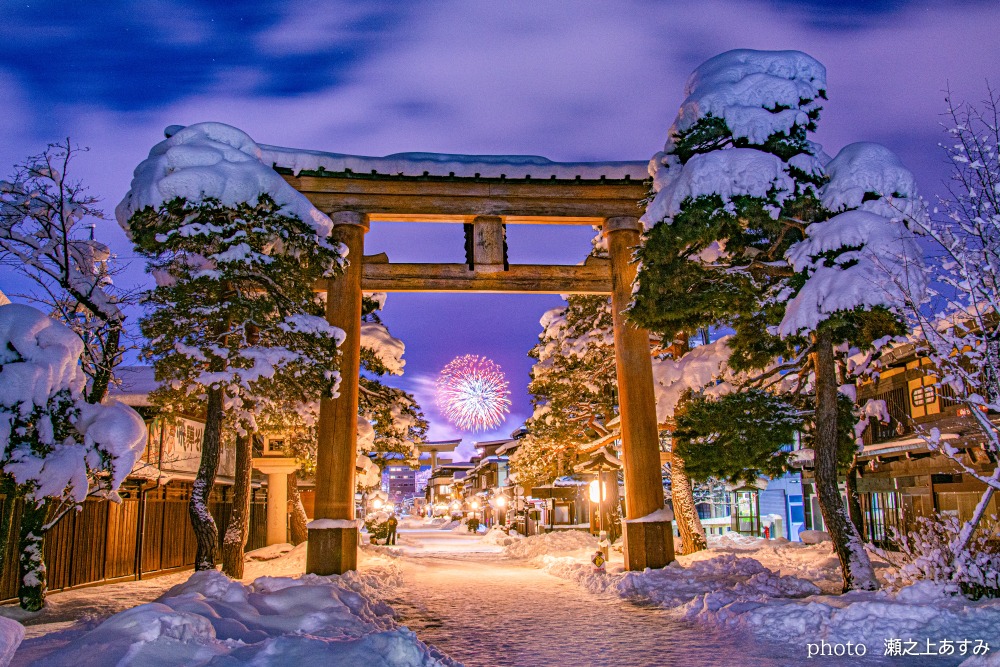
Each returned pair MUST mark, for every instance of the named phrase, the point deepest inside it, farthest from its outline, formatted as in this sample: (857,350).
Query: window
(924,396)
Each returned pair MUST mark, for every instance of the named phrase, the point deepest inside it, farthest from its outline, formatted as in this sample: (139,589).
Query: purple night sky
(571,81)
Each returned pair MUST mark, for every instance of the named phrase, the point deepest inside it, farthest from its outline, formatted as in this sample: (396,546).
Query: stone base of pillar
(648,544)
(332,550)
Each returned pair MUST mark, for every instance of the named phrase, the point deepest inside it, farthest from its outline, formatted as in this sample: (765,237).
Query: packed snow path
(484,611)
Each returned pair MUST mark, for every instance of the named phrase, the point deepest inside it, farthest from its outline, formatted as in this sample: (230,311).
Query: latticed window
(923,396)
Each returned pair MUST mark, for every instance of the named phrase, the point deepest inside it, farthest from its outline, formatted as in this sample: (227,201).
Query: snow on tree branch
(56,445)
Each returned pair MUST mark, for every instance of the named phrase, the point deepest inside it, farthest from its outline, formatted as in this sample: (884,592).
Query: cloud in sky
(590,80)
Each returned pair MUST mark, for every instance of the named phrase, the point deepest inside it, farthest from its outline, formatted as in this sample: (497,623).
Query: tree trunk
(235,540)
(205,531)
(300,533)
(31,581)
(853,500)
(105,366)
(855,565)
(688,524)
(9,490)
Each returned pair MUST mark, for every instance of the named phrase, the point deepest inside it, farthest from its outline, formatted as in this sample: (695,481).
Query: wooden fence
(148,533)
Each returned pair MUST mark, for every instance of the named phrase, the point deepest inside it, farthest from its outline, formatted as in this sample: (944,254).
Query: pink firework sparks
(473,393)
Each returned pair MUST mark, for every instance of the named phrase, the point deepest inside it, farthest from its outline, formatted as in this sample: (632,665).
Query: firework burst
(473,393)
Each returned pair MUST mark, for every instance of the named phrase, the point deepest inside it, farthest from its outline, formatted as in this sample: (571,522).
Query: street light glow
(597,494)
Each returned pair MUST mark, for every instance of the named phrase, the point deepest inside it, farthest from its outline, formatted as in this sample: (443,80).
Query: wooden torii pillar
(649,540)
(333,533)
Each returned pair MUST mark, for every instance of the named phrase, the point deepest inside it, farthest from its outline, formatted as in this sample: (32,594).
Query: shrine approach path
(481,610)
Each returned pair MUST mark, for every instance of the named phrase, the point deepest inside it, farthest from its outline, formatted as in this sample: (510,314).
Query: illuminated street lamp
(377,504)
(597,494)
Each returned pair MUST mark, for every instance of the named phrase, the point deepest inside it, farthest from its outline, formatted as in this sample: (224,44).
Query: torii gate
(487,194)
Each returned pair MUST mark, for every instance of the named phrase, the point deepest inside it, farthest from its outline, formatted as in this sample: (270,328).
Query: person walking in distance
(391,538)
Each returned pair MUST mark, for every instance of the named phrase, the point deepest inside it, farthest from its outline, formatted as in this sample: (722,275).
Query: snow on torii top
(213,160)
(444,164)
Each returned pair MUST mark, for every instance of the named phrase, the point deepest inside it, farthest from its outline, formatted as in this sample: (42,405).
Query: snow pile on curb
(738,591)
(564,541)
(270,552)
(917,612)
(496,536)
(212,620)
(11,635)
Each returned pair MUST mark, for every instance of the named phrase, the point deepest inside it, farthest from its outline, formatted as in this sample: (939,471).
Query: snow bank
(11,634)
(495,535)
(213,161)
(770,589)
(547,544)
(412,522)
(212,620)
(271,552)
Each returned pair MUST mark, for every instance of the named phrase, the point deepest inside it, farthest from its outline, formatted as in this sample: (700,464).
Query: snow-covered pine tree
(574,388)
(44,236)
(737,186)
(396,417)
(842,296)
(56,447)
(390,422)
(235,252)
(702,370)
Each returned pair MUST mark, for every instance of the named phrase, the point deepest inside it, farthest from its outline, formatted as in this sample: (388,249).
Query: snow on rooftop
(445,164)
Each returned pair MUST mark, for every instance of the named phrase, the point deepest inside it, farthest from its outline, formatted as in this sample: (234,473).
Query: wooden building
(902,478)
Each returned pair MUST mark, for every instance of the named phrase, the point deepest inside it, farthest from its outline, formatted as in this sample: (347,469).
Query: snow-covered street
(494,599)
(482,607)
(482,610)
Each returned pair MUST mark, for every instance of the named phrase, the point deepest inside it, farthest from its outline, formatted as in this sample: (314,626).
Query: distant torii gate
(557,194)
